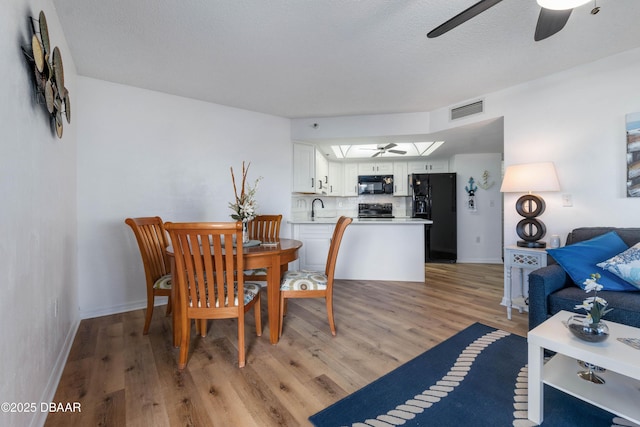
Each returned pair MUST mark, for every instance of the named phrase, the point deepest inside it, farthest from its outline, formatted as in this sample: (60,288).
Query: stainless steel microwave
(375,184)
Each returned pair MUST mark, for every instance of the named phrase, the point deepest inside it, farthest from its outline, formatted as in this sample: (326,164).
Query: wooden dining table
(275,258)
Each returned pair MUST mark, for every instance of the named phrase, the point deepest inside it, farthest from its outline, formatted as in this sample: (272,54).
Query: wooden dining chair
(207,283)
(152,242)
(265,228)
(314,284)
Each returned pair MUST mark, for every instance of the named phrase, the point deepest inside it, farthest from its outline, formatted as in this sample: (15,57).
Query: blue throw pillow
(579,260)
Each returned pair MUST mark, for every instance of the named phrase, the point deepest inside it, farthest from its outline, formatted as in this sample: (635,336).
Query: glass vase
(245,232)
(591,332)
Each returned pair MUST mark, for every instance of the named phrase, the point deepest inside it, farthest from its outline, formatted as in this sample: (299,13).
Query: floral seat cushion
(256,272)
(303,281)
(251,290)
(163,282)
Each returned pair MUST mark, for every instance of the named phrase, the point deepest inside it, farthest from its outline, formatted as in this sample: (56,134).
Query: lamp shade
(530,177)
(561,4)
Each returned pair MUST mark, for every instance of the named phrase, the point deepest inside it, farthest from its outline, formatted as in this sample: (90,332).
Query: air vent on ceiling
(467,110)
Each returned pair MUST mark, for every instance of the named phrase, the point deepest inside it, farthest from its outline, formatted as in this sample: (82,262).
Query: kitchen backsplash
(348,206)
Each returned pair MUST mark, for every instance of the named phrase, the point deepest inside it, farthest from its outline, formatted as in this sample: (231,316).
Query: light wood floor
(122,377)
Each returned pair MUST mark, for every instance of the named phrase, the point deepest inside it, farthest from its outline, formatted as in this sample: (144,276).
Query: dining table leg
(273,298)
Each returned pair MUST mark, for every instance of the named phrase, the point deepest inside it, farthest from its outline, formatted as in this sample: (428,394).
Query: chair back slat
(152,242)
(265,227)
(208,281)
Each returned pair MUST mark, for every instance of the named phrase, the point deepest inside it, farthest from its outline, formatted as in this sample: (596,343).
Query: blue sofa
(552,290)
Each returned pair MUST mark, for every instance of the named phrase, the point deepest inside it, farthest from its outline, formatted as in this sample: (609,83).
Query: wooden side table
(525,260)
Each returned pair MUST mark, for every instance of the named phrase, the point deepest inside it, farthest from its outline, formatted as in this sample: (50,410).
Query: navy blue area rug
(478,377)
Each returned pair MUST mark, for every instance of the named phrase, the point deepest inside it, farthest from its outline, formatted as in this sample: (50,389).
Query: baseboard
(56,373)
(122,308)
(480,260)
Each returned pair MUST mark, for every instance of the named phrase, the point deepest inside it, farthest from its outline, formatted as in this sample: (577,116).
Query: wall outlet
(567,200)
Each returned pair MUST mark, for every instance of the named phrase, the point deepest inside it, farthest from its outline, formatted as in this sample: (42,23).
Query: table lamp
(529,178)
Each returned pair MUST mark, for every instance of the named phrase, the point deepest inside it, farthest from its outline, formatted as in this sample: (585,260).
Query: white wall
(37,222)
(145,153)
(575,119)
(479,230)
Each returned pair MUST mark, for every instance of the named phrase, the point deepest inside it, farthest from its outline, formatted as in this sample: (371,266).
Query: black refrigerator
(434,198)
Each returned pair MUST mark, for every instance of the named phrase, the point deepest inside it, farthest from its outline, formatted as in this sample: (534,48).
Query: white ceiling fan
(382,149)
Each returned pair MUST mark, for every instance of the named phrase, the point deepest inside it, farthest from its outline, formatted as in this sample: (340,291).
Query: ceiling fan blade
(462,17)
(550,22)
(377,154)
(389,145)
(398,151)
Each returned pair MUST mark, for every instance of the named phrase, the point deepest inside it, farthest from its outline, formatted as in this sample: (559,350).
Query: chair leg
(169,306)
(332,324)
(202,326)
(184,343)
(147,319)
(283,308)
(258,314)
(241,354)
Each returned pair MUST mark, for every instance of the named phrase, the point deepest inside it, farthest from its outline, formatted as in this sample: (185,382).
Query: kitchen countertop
(366,221)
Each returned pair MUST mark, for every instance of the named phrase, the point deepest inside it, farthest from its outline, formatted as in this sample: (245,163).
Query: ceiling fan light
(561,4)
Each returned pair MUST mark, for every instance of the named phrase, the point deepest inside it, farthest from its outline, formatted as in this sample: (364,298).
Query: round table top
(278,245)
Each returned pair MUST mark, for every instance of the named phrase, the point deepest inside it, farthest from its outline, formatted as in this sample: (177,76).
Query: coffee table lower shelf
(619,395)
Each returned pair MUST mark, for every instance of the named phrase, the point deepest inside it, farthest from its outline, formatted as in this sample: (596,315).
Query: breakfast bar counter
(371,249)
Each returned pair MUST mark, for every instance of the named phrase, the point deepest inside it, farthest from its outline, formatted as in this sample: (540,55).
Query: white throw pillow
(625,265)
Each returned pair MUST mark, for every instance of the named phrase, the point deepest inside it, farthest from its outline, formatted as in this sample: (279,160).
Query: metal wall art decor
(633,155)
(471,194)
(49,73)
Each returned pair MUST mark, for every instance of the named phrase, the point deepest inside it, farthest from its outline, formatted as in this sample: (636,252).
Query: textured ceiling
(312,58)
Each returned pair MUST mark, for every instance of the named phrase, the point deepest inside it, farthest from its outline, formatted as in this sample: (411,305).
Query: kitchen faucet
(312,204)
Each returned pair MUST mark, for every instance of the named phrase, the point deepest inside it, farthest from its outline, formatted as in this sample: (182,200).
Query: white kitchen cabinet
(335,179)
(350,179)
(432,166)
(322,173)
(375,168)
(316,240)
(304,168)
(400,179)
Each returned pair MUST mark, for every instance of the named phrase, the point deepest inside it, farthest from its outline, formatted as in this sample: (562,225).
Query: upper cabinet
(322,173)
(350,179)
(304,168)
(313,173)
(400,179)
(428,166)
(375,168)
(335,179)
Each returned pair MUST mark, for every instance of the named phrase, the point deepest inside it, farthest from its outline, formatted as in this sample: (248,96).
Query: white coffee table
(620,394)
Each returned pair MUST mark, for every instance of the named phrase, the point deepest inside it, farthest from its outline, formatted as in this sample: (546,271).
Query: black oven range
(375,210)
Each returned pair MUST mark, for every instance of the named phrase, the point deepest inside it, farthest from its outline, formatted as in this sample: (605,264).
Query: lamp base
(538,244)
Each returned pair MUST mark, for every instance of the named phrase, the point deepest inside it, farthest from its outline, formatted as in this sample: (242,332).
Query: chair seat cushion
(256,272)
(163,283)
(251,290)
(303,281)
